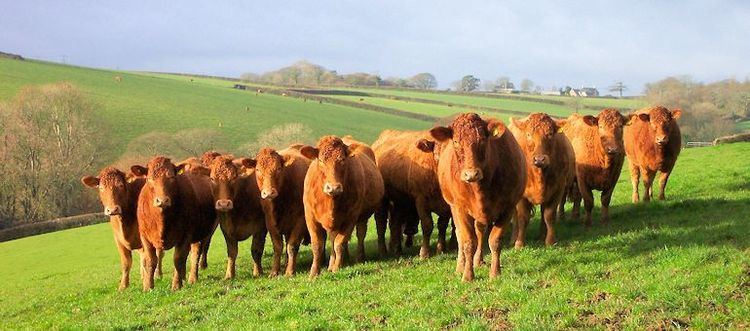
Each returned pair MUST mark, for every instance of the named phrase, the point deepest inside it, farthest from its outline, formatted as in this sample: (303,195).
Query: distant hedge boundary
(37,228)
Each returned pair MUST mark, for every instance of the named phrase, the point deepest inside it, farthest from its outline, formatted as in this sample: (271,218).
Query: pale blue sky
(554,43)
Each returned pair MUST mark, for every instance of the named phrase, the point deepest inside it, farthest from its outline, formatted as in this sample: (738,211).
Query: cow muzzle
(112,211)
(661,141)
(333,189)
(612,151)
(162,202)
(471,175)
(224,205)
(541,161)
(269,193)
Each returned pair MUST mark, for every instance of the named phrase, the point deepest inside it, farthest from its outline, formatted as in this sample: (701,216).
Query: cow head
(224,174)
(332,156)
(161,180)
(113,190)
(660,121)
(208,157)
(539,131)
(609,124)
(269,171)
(469,135)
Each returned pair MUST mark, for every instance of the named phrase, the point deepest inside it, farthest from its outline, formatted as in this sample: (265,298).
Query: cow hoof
(273,274)
(192,280)
(424,253)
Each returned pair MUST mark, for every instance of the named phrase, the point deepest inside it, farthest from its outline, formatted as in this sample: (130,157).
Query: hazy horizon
(553,44)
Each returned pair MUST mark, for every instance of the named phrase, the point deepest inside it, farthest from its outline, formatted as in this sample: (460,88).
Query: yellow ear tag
(495,132)
(181,171)
(560,130)
(131,180)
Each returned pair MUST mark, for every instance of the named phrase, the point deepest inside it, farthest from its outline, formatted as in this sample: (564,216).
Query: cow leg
(278,247)
(425,218)
(606,198)
(180,261)
(159,257)
(495,241)
(203,257)
(575,195)
(397,230)
(588,201)
(648,182)
(149,263)
(381,223)
(663,178)
(292,248)
(561,205)
(479,228)
(523,213)
(256,250)
(232,250)
(453,242)
(442,229)
(318,245)
(196,249)
(467,243)
(332,259)
(126,261)
(548,222)
(361,234)
(635,177)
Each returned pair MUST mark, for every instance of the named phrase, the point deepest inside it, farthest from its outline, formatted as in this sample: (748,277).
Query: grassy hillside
(675,264)
(140,104)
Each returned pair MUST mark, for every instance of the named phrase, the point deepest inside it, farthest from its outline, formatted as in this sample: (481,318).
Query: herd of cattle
(476,172)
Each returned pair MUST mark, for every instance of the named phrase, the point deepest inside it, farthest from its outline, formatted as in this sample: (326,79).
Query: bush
(279,137)
(50,137)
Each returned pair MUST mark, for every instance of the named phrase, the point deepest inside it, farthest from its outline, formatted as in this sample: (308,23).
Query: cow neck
(129,210)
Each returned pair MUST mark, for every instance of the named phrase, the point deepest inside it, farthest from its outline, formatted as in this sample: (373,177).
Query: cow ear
(180,168)
(591,120)
(139,171)
(560,124)
(248,162)
(441,133)
(676,113)
(517,123)
(496,128)
(644,117)
(90,181)
(309,152)
(288,160)
(425,145)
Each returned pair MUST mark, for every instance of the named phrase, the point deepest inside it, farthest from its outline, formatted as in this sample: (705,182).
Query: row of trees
(304,73)
(50,138)
(709,110)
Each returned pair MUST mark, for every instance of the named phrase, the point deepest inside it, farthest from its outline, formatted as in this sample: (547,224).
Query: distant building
(555,92)
(584,92)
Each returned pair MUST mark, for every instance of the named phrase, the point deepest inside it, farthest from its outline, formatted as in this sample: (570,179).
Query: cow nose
(661,140)
(540,161)
(612,150)
(224,205)
(332,189)
(269,193)
(471,175)
(162,202)
(112,211)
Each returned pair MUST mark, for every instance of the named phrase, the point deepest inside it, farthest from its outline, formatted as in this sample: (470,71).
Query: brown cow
(652,144)
(118,194)
(406,161)
(175,209)
(280,178)
(482,175)
(237,202)
(597,142)
(342,190)
(550,168)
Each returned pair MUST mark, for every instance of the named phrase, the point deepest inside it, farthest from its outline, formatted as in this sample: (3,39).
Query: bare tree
(425,81)
(527,85)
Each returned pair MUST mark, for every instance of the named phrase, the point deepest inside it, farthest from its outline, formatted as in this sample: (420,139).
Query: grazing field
(630,103)
(141,104)
(682,263)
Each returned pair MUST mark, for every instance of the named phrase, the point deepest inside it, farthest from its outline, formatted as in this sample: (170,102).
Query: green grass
(141,104)
(683,262)
(595,102)
(421,108)
(744,126)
